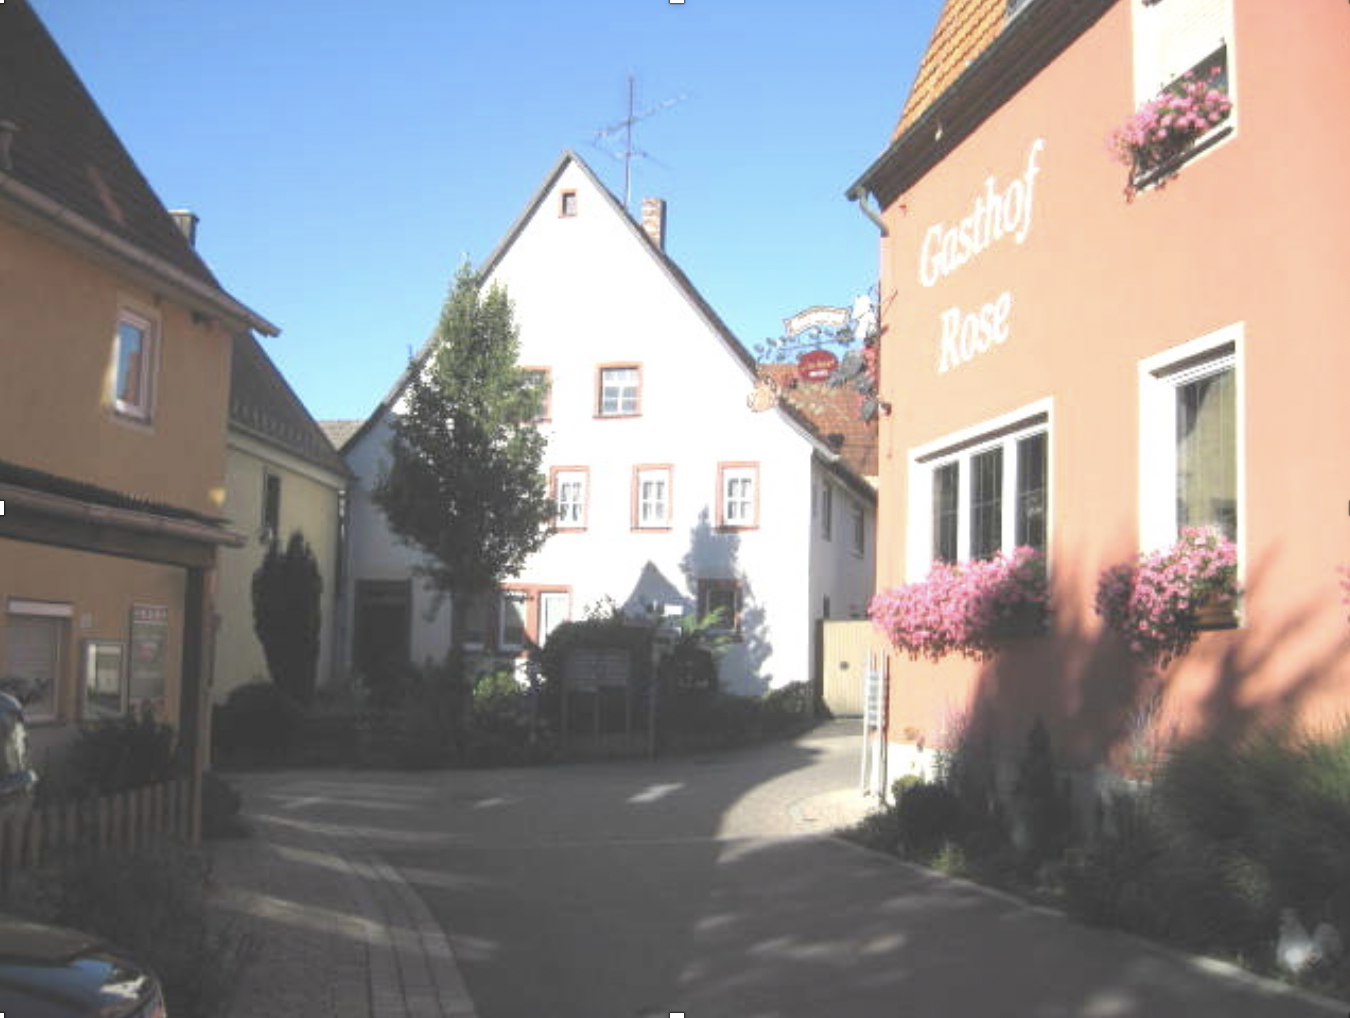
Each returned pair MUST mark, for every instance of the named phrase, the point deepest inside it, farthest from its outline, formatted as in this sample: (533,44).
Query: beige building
(115,340)
(281,475)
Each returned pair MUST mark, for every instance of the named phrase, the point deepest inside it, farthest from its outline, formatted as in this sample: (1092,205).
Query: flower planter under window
(1182,121)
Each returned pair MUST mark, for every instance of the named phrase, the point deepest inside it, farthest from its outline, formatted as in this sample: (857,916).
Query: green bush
(1042,804)
(152,903)
(927,816)
(113,756)
(257,723)
(286,615)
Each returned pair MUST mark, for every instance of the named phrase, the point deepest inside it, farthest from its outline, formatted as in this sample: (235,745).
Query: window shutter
(1172,36)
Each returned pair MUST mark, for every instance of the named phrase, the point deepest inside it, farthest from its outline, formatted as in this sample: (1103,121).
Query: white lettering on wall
(998,211)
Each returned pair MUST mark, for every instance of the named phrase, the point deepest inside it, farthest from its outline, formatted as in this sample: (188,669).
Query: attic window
(568,206)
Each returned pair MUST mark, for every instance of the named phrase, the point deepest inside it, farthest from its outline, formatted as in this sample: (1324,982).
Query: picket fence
(119,822)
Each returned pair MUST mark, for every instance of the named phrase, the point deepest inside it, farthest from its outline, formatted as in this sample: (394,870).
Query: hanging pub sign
(149,652)
(816,365)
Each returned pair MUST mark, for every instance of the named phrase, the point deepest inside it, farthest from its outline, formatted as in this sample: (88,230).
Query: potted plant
(1158,603)
(1163,129)
(968,608)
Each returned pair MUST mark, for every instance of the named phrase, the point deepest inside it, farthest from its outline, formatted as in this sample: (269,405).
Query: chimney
(8,129)
(186,221)
(654,221)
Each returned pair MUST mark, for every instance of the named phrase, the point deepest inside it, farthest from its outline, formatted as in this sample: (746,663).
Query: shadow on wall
(1108,712)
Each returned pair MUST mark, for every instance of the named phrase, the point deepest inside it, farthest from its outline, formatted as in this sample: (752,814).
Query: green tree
(464,483)
(286,590)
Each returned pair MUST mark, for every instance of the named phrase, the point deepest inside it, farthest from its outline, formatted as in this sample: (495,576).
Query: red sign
(816,365)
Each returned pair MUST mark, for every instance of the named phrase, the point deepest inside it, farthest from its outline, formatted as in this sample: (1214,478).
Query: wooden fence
(119,822)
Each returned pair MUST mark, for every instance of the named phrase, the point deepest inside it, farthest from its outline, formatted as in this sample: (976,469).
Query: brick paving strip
(332,930)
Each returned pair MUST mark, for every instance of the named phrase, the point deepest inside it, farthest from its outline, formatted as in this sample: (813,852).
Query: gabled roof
(263,405)
(982,53)
(67,167)
(673,272)
(338,432)
(833,414)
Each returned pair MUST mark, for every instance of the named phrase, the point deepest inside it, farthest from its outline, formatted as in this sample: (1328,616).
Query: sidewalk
(329,930)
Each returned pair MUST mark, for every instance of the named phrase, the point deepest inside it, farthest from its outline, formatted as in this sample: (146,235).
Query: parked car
(50,972)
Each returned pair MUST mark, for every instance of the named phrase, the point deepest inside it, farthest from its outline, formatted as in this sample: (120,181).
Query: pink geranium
(1152,604)
(968,608)
(1167,124)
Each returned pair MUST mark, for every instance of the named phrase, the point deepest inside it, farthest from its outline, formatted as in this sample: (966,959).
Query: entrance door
(383,625)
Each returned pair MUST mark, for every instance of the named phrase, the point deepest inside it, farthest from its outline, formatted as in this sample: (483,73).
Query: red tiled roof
(964,31)
(832,412)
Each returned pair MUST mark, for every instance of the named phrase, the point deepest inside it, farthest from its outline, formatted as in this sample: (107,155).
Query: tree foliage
(464,483)
(286,590)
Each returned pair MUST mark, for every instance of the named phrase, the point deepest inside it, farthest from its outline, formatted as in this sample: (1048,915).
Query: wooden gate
(844,647)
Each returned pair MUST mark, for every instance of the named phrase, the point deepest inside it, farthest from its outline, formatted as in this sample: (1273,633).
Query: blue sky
(344,157)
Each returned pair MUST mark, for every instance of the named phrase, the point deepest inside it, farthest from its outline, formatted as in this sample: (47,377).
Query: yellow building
(281,475)
(115,345)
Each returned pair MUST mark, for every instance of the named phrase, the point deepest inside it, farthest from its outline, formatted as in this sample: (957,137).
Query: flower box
(1172,127)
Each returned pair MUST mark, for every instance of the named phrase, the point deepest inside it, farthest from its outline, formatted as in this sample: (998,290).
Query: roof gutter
(858,193)
(45,504)
(211,297)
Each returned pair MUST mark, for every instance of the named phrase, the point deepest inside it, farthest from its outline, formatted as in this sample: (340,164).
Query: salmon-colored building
(1086,357)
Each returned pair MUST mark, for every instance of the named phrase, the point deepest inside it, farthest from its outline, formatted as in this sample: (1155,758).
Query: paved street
(702,885)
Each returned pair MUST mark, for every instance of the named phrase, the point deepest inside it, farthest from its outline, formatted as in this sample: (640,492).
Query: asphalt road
(702,886)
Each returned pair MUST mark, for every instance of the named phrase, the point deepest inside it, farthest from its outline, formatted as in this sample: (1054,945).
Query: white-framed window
(1191,439)
(105,682)
(567,204)
(620,391)
(512,609)
(857,518)
(554,609)
(738,495)
(36,634)
(651,498)
(1175,38)
(827,510)
(983,491)
(135,352)
(541,380)
(570,485)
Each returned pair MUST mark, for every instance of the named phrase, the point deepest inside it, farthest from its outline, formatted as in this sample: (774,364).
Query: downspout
(858,194)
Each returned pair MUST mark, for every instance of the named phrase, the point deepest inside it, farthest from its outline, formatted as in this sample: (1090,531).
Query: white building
(670,490)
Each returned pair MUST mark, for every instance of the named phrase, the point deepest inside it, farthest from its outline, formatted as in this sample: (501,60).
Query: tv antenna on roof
(624,127)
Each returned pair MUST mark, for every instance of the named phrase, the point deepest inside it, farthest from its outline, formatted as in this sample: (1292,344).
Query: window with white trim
(35,637)
(620,392)
(569,493)
(988,493)
(724,597)
(511,615)
(826,510)
(738,498)
(857,527)
(1190,443)
(135,348)
(651,498)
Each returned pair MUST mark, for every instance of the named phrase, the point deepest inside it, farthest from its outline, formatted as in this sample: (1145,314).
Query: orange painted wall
(1254,231)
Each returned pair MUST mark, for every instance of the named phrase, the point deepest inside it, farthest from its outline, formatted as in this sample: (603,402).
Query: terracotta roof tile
(832,412)
(964,30)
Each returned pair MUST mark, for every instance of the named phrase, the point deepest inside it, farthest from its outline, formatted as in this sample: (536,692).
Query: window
(1190,440)
(541,380)
(271,507)
(738,495)
(554,609)
(651,498)
(105,689)
(983,492)
(133,376)
(827,510)
(511,614)
(35,641)
(570,486)
(567,205)
(1179,37)
(858,522)
(722,596)
(474,625)
(620,391)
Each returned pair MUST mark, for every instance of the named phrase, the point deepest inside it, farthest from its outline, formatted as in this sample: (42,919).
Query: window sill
(734,528)
(569,530)
(666,529)
(1158,175)
(136,422)
(617,417)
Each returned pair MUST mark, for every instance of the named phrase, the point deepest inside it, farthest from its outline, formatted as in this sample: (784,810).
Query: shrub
(1042,804)
(152,903)
(256,723)
(927,816)
(116,755)
(286,617)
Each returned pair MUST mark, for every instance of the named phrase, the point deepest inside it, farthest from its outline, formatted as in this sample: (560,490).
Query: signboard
(815,318)
(148,678)
(594,668)
(816,365)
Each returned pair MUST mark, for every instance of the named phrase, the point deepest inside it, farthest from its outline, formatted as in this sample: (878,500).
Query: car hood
(50,972)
